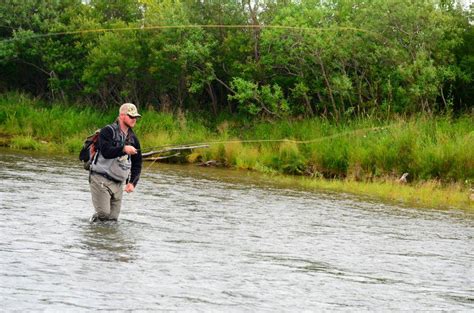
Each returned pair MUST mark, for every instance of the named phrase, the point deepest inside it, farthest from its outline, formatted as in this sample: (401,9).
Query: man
(117,161)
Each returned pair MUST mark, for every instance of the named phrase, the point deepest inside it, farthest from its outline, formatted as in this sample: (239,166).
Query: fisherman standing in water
(117,161)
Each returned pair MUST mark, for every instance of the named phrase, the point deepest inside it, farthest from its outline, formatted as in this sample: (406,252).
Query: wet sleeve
(106,144)
(136,163)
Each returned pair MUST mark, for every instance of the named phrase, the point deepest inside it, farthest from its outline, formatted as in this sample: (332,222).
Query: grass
(426,194)
(25,143)
(35,125)
(360,156)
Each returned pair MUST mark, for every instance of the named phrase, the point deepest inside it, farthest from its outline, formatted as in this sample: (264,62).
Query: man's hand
(130,150)
(129,188)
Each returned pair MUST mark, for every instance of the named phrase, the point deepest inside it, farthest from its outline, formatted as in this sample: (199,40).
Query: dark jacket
(110,149)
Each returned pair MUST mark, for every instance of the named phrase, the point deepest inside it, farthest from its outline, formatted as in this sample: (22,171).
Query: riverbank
(365,157)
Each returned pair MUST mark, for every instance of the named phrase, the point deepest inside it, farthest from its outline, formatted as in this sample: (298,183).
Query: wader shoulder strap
(114,127)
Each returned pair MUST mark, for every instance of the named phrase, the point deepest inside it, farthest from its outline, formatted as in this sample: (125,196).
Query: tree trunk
(212,94)
(255,30)
(328,85)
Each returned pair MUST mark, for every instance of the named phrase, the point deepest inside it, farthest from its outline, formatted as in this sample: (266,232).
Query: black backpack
(89,149)
(90,146)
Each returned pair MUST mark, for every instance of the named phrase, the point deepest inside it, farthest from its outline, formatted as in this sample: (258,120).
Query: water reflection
(108,241)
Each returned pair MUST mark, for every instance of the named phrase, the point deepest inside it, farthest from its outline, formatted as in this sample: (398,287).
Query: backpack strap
(116,131)
(116,137)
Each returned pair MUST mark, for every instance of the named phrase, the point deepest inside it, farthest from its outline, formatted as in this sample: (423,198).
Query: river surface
(206,240)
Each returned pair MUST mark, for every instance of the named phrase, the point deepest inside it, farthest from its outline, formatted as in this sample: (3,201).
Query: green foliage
(336,59)
(289,159)
(113,67)
(246,93)
(255,100)
(331,158)
(116,10)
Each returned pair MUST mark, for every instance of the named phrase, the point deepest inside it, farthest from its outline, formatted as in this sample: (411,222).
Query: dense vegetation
(367,149)
(331,58)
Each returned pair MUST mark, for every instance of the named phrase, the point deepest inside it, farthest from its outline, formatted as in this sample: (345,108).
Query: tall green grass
(439,148)
(39,126)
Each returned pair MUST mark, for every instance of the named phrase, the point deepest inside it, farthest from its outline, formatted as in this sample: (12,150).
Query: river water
(206,240)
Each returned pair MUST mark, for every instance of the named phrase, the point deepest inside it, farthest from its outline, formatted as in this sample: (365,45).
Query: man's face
(129,120)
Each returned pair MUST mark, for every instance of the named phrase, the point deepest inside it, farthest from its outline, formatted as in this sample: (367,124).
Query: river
(207,240)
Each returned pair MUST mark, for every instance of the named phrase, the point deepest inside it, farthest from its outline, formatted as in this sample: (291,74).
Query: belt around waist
(106,176)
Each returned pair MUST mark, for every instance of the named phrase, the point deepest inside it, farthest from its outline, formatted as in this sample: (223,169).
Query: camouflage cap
(129,109)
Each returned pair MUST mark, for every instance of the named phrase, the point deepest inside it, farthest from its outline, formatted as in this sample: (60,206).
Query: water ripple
(192,239)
